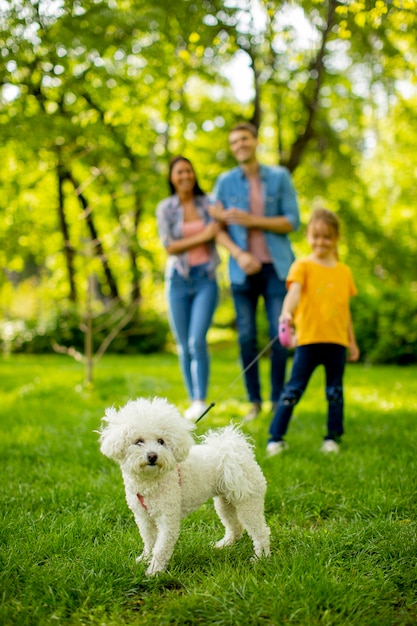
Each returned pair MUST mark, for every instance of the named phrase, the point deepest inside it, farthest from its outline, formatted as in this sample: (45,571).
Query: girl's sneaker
(276,447)
(329,445)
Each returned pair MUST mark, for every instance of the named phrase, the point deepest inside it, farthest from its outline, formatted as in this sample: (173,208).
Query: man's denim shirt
(232,189)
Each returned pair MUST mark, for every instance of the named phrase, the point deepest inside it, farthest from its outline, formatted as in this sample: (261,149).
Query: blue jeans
(192,302)
(246,296)
(306,359)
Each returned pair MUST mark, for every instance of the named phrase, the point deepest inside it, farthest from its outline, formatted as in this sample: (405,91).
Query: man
(258,205)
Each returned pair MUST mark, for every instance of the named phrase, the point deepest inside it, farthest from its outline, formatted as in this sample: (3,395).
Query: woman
(187,233)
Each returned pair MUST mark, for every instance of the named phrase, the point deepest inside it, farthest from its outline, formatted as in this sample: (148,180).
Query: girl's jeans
(267,285)
(192,302)
(306,359)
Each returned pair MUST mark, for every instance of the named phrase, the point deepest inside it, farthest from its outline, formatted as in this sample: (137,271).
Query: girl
(187,233)
(317,304)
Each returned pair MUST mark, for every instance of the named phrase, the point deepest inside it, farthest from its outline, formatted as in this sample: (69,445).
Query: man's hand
(248,263)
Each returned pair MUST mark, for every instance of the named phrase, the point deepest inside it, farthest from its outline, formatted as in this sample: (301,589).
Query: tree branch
(311,102)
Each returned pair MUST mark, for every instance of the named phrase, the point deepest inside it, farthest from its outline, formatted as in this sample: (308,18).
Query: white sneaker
(276,447)
(329,445)
(195,410)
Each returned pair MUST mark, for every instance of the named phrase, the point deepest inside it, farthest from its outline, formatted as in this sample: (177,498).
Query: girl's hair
(197,191)
(326,216)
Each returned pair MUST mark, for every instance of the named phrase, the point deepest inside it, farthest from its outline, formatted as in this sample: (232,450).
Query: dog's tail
(239,475)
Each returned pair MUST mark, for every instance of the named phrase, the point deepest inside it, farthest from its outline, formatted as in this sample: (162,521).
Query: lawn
(344,527)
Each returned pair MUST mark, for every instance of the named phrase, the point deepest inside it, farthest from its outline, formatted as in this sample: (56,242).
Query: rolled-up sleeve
(164,231)
(218,191)
(289,200)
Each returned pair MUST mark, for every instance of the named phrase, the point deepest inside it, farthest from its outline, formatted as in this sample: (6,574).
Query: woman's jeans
(192,302)
(306,359)
(266,284)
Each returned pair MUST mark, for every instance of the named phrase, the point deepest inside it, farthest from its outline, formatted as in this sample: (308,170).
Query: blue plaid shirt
(170,218)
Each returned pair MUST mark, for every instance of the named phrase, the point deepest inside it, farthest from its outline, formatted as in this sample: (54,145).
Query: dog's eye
(139,442)
(161,442)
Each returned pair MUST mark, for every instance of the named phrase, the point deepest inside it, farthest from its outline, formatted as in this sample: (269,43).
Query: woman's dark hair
(197,191)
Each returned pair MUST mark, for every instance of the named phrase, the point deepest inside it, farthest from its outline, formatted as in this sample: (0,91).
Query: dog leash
(258,356)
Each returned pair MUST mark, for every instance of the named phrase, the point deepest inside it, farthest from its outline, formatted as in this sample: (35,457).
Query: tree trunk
(97,245)
(68,249)
(312,101)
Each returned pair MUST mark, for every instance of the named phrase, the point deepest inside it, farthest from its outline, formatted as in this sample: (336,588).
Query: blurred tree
(97,96)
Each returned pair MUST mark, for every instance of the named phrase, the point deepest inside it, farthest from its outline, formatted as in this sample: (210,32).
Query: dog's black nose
(152,458)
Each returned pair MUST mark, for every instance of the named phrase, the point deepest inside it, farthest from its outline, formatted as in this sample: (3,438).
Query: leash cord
(258,356)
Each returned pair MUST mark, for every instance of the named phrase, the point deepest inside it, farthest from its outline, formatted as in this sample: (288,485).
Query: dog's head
(146,436)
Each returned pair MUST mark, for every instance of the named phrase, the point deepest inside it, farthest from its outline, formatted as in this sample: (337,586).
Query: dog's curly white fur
(166,477)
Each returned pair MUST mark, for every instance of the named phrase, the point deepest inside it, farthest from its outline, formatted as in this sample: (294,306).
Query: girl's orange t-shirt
(322,314)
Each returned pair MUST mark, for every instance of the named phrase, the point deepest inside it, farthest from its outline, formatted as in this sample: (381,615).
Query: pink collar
(142,501)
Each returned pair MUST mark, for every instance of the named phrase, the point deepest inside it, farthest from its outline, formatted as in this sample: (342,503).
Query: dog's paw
(226,541)
(264,554)
(143,558)
(154,568)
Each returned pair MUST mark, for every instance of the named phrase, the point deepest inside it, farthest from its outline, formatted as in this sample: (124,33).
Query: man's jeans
(306,359)
(192,303)
(266,284)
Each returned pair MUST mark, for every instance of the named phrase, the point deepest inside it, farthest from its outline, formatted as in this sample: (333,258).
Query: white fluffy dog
(166,477)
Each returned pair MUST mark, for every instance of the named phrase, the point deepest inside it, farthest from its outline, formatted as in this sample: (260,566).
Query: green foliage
(96,97)
(385,322)
(143,335)
(343,528)
(386,326)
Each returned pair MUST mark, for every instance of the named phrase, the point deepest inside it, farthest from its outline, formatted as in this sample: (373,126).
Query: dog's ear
(181,442)
(113,437)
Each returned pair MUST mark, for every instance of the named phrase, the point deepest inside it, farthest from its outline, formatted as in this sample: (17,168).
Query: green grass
(343,528)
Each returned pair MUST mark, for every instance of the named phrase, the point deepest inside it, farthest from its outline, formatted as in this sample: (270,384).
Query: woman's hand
(233,215)
(217,212)
(237,216)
